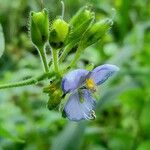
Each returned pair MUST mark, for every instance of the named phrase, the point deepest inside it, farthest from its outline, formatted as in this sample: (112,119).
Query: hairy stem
(63,10)
(30,81)
(65,52)
(77,55)
(55,60)
(43,59)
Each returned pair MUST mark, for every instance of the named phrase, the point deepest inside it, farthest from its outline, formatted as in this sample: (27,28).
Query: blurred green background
(123,121)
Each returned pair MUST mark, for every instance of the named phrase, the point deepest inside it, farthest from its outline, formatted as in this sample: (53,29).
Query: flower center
(90,84)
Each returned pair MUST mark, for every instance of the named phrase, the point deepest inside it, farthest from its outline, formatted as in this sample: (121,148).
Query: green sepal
(55,93)
(46,89)
(90,67)
(96,32)
(54,99)
(79,24)
(58,33)
(82,15)
(39,27)
(64,114)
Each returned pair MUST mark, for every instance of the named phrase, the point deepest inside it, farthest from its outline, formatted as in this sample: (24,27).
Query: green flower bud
(55,99)
(58,33)
(39,27)
(81,16)
(96,32)
(55,93)
(79,24)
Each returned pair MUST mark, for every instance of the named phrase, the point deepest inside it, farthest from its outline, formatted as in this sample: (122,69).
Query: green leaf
(120,140)
(2,41)
(144,119)
(144,145)
(6,134)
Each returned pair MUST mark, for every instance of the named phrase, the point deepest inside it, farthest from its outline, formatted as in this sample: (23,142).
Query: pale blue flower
(80,84)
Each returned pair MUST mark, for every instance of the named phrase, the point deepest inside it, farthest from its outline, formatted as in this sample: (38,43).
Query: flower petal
(73,80)
(76,110)
(101,73)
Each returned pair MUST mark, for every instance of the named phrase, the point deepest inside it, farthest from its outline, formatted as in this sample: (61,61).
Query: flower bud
(79,24)
(54,99)
(82,15)
(55,93)
(58,33)
(39,27)
(96,32)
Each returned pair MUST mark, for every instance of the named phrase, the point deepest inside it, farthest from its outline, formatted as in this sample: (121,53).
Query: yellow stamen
(90,84)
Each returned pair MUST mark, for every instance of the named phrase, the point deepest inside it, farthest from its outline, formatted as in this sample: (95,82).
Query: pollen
(90,84)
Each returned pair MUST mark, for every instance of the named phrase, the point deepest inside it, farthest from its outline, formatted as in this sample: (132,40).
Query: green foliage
(144,146)
(144,119)
(123,109)
(2,42)
(70,138)
(6,134)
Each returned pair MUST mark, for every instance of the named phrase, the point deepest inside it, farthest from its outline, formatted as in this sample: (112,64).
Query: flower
(80,84)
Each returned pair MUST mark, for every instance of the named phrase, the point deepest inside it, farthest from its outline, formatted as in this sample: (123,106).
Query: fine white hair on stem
(42,4)
(113,13)
(63,10)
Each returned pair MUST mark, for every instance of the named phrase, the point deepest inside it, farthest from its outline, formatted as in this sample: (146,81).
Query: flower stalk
(77,56)
(43,58)
(30,81)
(65,52)
(27,82)
(55,60)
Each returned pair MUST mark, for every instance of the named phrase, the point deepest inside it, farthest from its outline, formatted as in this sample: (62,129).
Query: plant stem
(43,59)
(63,10)
(30,81)
(77,55)
(55,60)
(65,52)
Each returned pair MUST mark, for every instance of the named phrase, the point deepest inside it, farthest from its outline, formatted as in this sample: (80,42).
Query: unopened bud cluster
(81,31)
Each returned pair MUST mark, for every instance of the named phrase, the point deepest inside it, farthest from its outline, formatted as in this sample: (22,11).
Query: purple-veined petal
(101,73)
(73,80)
(76,110)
